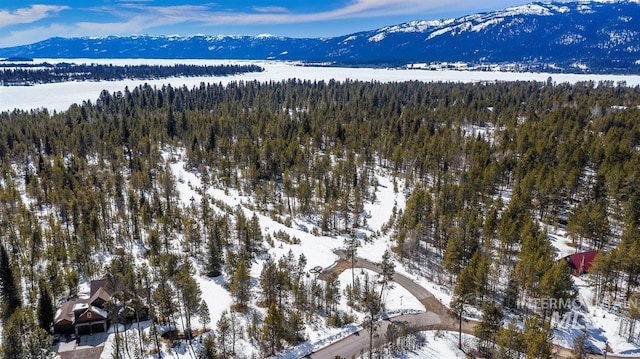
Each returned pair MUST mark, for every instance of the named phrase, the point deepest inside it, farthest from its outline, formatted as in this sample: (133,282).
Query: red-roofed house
(580,262)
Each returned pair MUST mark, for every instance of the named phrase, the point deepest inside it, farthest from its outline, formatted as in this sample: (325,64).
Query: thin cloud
(33,34)
(28,15)
(159,15)
(138,17)
(357,9)
(270,9)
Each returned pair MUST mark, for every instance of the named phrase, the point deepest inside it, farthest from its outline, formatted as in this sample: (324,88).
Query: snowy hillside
(601,36)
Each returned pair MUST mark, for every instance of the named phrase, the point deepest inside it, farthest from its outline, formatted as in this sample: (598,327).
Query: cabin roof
(581,262)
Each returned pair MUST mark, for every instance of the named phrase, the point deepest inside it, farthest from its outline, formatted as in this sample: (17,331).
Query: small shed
(580,262)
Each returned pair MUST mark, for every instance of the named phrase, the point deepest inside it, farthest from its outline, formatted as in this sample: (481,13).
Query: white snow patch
(529,9)
(483,25)
(439,32)
(585,9)
(580,66)
(440,344)
(397,300)
(560,9)
(378,37)
(350,38)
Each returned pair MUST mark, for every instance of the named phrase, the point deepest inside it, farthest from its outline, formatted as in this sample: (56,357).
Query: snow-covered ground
(396,299)
(317,249)
(438,345)
(59,96)
(602,325)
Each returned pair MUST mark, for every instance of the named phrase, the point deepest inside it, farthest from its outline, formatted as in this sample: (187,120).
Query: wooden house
(580,263)
(84,315)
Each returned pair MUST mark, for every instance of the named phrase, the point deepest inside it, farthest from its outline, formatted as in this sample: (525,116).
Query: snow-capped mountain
(600,35)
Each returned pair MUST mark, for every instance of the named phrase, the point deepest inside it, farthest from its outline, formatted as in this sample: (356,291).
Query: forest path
(435,318)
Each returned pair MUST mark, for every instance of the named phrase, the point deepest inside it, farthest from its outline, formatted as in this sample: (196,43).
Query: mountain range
(583,36)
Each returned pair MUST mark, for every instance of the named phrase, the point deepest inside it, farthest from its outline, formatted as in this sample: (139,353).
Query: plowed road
(436,317)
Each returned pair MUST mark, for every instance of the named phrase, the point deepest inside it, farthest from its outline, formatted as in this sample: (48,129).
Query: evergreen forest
(487,168)
(28,74)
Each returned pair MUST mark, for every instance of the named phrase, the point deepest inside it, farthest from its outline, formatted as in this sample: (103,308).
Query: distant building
(84,315)
(580,262)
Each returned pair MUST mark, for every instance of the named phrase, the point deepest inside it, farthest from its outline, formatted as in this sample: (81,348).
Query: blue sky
(24,22)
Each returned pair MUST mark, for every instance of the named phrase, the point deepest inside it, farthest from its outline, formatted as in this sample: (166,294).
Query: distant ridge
(579,36)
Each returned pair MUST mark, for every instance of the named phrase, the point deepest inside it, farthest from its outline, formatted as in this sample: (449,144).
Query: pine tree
(331,293)
(269,281)
(209,350)
(214,255)
(37,345)
(580,349)
(12,339)
(46,311)
(295,327)
(351,253)
(154,335)
(372,307)
(538,337)
(454,254)
(557,283)
(272,331)
(223,332)
(464,293)
(189,290)
(163,297)
(240,286)
(482,273)
(388,270)
(510,341)
(634,315)
(205,317)
(491,323)
(466,282)
(9,291)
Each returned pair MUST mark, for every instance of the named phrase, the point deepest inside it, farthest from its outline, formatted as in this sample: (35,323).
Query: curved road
(436,317)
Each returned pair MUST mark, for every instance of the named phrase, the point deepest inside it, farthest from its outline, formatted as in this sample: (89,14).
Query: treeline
(29,74)
(487,167)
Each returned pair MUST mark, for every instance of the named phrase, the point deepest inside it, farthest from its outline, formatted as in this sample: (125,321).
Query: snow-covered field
(438,345)
(59,96)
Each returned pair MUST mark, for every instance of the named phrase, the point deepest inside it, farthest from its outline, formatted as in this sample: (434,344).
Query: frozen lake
(59,96)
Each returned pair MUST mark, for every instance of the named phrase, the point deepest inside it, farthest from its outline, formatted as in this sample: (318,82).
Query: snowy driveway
(358,342)
(89,347)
